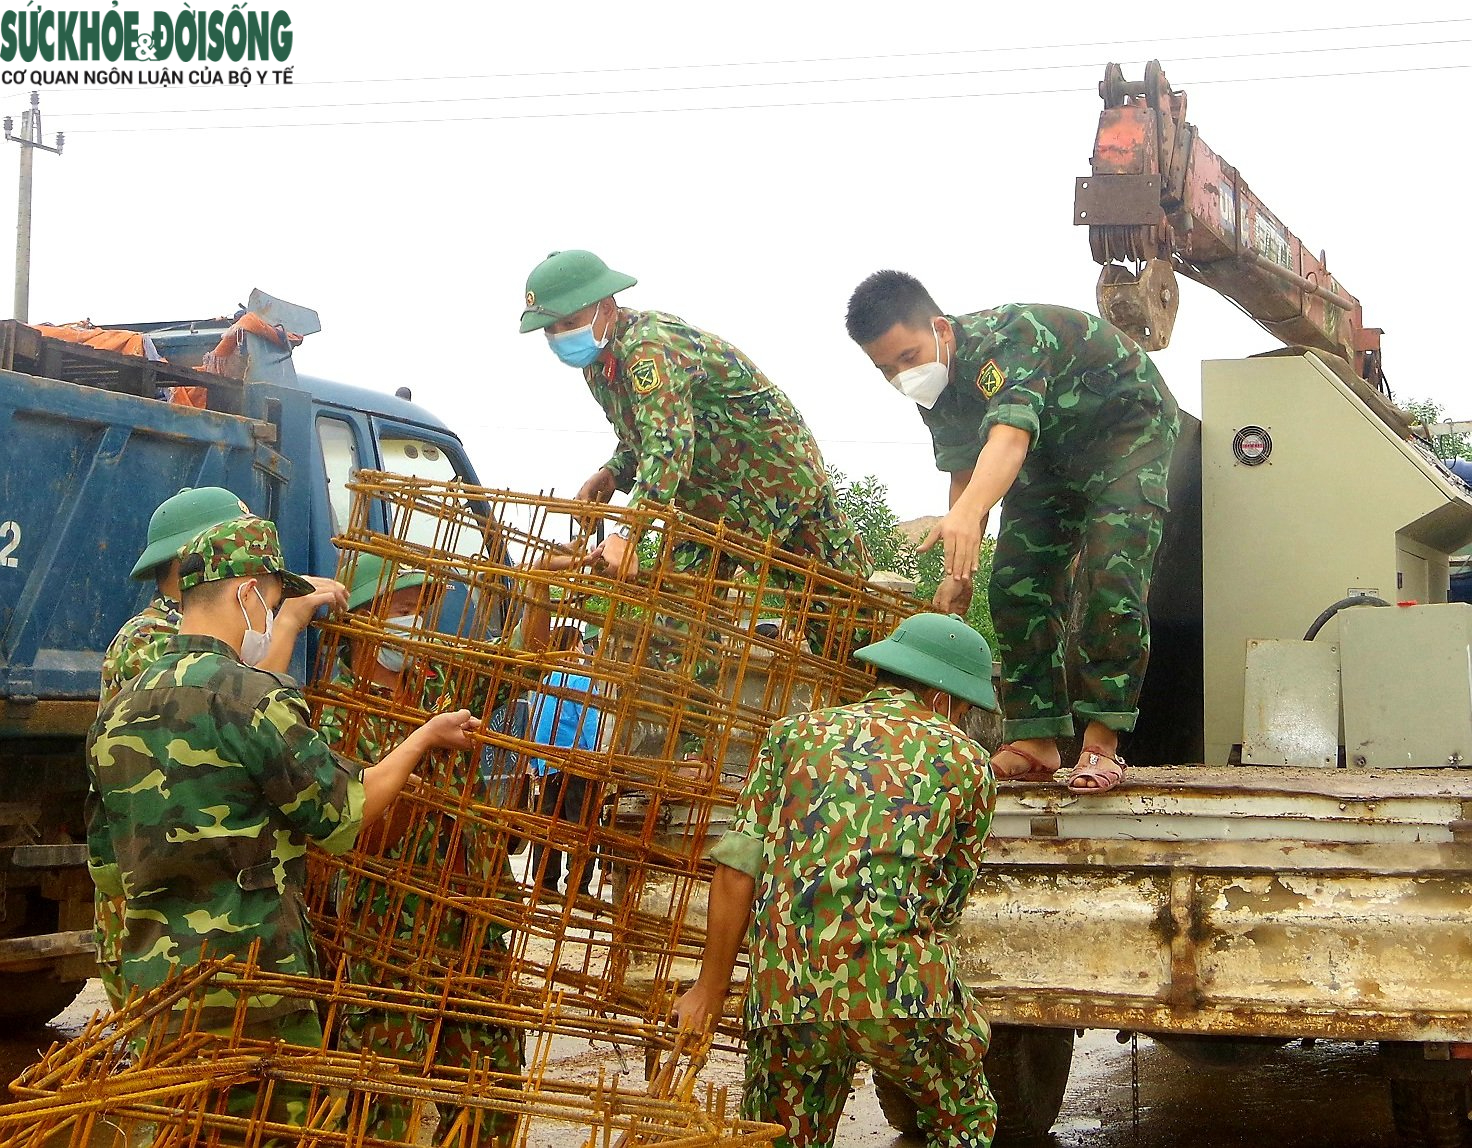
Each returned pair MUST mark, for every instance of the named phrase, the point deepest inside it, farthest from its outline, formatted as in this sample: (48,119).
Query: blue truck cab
(91,445)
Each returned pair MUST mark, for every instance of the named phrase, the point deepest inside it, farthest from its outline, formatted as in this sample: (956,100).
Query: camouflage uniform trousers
(1102,533)
(288,1102)
(453,1044)
(108,915)
(800,1076)
(417,1039)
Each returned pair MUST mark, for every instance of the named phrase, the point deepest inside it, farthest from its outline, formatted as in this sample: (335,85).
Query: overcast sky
(749,163)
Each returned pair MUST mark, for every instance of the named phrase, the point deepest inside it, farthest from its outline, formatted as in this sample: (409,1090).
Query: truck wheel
(1431,1113)
(897,1107)
(29,1000)
(1027,1069)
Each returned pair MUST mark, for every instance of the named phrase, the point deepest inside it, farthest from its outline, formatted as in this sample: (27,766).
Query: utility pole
(29,139)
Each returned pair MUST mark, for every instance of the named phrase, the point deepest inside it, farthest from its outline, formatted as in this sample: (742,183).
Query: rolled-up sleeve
(1021,351)
(744,845)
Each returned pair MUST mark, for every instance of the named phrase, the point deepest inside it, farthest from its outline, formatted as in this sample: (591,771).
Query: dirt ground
(1330,1096)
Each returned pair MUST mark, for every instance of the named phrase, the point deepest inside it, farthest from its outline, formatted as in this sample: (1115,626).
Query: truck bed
(87,457)
(1238,900)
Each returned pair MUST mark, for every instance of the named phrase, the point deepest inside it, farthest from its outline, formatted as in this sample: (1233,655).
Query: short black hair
(163,569)
(887,298)
(209,594)
(205,594)
(883,677)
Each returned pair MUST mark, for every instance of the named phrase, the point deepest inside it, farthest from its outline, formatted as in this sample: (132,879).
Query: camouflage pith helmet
(368,582)
(941,651)
(179,518)
(240,548)
(566,282)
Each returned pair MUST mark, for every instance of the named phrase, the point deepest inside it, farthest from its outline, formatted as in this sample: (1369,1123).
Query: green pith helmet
(368,581)
(178,519)
(566,282)
(941,651)
(239,548)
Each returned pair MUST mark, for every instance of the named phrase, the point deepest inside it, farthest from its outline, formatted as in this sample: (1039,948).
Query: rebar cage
(688,664)
(442,917)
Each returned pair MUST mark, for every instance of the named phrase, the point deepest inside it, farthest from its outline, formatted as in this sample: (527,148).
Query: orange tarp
(103,338)
(223,360)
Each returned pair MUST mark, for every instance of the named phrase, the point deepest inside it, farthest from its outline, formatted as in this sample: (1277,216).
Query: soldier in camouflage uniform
(212,783)
(1067,417)
(144,636)
(376,909)
(699,427)
(138,643)
(856,839)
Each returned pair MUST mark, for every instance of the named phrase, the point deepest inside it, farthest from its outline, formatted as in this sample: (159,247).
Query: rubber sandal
(1105,770)
(1036,769)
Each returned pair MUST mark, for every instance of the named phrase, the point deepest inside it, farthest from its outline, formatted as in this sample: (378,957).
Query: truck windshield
(421,457)
(416,457)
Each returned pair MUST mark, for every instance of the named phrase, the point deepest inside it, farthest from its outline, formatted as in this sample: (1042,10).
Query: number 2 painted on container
(7,549)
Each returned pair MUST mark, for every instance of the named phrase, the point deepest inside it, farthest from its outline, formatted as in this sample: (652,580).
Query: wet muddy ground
(1327,1096)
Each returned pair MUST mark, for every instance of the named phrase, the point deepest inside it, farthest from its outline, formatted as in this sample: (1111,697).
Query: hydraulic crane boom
(1162,200)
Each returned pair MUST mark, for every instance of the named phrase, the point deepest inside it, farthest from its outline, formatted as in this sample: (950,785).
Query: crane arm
(1160,199)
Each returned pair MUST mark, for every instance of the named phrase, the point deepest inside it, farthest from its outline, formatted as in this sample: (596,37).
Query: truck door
(351,440)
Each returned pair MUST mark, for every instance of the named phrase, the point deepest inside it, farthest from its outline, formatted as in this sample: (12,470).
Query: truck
(1289,858)
(92,446)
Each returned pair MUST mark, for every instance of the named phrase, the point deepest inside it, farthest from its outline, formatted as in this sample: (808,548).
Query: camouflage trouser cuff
(1120,722)
(1022,729)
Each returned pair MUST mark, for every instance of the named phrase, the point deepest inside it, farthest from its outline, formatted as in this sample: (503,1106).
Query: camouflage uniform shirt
(212,783)
(1087,395)
(138,644)
(863,826)
(701,428)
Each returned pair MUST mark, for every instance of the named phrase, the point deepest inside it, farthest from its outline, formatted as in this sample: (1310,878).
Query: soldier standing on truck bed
(856,839)
(173,525)
(699,426)
(212,783)
(1068,418)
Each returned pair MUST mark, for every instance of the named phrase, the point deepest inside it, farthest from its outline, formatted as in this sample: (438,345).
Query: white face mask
(391,659)
(255,644)
(923,384)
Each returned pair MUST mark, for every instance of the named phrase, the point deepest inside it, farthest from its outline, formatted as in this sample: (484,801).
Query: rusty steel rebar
(697,654)
(157,1064)
(438,916)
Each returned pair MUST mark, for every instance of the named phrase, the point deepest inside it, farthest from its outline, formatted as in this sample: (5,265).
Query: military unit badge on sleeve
(646,376)
(990,379)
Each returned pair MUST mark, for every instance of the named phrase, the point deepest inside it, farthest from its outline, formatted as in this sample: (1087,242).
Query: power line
(864,58)
(857,100)
(744,85)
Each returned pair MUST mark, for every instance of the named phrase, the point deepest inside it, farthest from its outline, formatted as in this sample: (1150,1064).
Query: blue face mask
(578,348)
